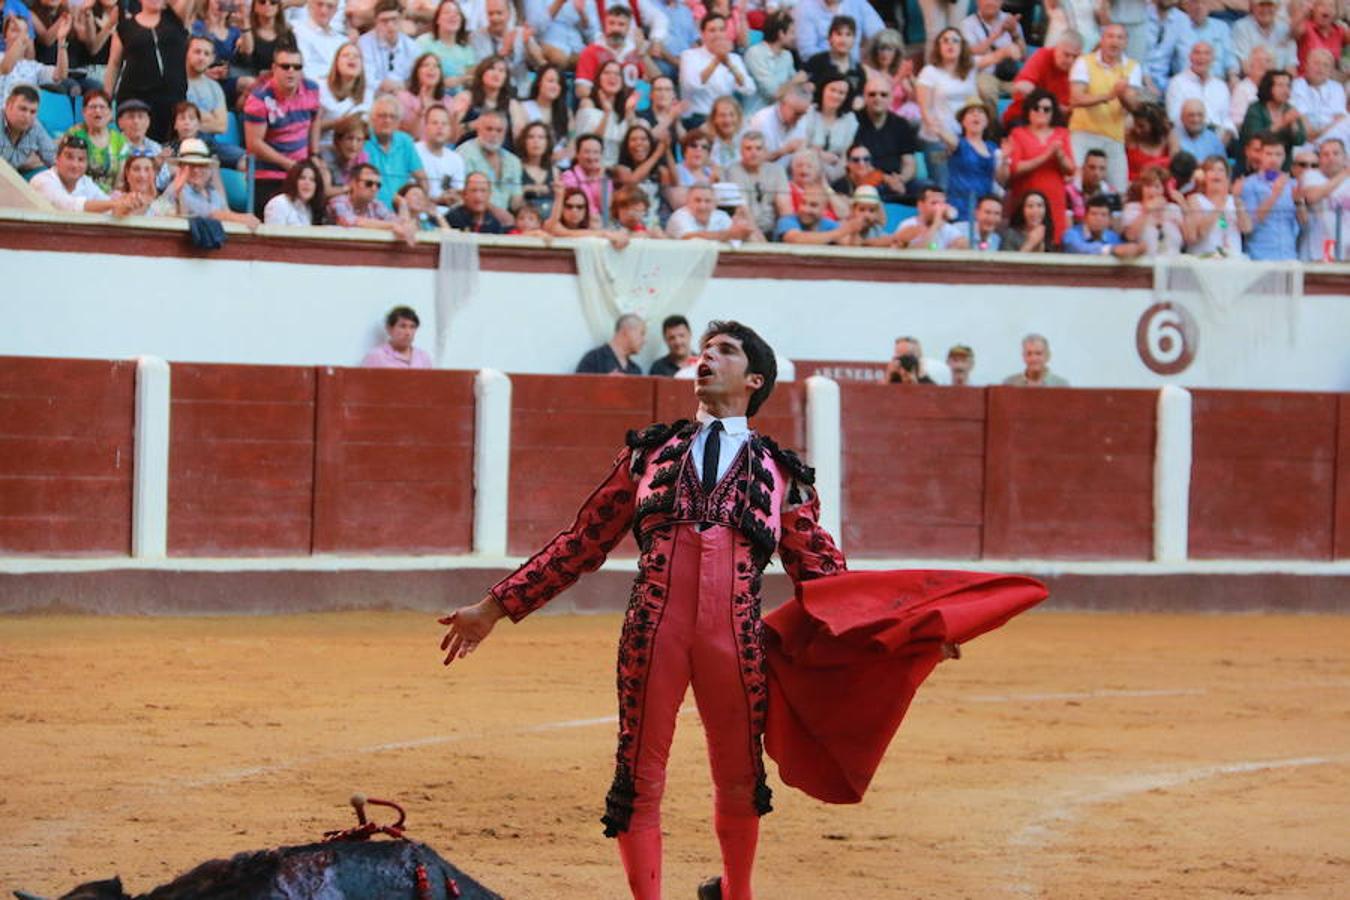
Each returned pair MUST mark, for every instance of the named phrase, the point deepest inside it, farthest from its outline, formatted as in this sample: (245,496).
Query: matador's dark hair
(759,357)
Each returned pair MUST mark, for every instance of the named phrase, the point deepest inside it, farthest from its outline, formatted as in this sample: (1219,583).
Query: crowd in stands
(1117,127)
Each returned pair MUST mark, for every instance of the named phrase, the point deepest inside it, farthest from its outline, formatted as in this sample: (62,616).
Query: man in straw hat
(196,191)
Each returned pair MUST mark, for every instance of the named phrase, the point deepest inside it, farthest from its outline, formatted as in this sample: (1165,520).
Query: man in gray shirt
(1036,357)
(763,185)
(24,143)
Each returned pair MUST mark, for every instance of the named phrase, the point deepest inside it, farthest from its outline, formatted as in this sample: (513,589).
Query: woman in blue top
(224,22)
(975,162)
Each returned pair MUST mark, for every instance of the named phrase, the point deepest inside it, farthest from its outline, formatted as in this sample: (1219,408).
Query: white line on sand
(1082,695)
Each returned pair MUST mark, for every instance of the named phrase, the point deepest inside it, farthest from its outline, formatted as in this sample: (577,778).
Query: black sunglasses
(290,67)
(370,183)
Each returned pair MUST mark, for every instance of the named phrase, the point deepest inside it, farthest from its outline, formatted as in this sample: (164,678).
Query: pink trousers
(694,644)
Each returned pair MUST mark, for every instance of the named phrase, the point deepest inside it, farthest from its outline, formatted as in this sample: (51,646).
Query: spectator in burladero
(1270,198)
(281,122)
(147,60)
(398,352)
(475,212)
(931,228)
(1104,86)
(301,201)
(1036,361)
(1094,236)
(679,342)
(66,186)
(24,143)
(360,206)
(891,140)
(1048,69)
(616,356)
(960,363)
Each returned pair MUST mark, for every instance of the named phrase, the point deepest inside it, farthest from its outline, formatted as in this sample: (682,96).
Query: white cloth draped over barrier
(456,285)
(654,279)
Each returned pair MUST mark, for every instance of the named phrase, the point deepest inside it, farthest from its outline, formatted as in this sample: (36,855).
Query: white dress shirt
(699,93)
(48,184)
(735,432)
(1211,91)
(1321,105)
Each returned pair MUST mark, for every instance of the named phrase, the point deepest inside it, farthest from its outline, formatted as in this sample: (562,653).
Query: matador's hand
(469,625)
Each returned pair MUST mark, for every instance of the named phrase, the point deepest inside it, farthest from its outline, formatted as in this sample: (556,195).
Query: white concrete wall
(101,306)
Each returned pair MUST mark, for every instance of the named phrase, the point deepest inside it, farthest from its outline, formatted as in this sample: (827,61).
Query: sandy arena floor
(1066,756)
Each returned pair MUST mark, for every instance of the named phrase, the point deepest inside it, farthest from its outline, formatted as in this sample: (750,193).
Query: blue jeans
(935,155)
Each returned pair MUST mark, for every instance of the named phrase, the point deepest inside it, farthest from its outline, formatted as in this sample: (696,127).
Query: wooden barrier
(1341,550)
(394,467)
(1069,474)
(1263,484)
(783,416)
(66,456)
(913,470)
(241,460)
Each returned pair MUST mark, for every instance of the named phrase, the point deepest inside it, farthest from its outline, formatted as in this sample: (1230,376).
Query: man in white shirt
(700,218)
(444,167)
(1318,96)
(67,187)
(711,71)
(783,125)
(318,35)
(1263,28)
(386,52)
(1181,29)
(1197,84)
(931,229)
(1327,190)
(996,36)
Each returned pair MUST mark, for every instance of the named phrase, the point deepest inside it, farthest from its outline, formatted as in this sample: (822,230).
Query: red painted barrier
(565,432)
(66,455)
(241,460)
(1069,474)
(913,470)
(394,468)
(1341,550)
(1263,483)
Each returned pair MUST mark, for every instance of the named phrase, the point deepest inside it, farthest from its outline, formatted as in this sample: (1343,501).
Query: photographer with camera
(907,365)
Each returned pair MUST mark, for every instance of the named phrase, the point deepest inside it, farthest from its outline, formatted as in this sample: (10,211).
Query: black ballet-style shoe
(711,889)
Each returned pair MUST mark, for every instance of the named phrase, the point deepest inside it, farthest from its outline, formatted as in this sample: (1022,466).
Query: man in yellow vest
(1103,87)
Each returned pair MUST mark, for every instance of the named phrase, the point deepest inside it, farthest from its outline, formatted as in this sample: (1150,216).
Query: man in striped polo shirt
(281,122)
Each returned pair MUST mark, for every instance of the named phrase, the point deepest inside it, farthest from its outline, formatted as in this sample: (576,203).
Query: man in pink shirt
(398,352)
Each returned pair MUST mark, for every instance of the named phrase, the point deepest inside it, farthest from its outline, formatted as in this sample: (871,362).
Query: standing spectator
(613,45)
(486,154)
(814,18)
(976,162)
(196,191)
(223,23)
(783,125)
(1149,140)
(206,94)
(392,151)
(724,128)
(770,62)
(986,233)
(66,186)
(808,224)
(444,167)
(1036,359)
(932,228)
(449,40)
(630,333)
(281,123)
(945,85)
(94,25)
(588,175)
(1040,156)
(1195,135)
(681,34)
(1218,219)
(711,71)
(831,128)
(1269,196)
(891,140)
(608,111)
(398,352)
(1153,214)
(24,143)
(424,91)
(1094,236)
(837,62)
(1032,228)
(1181,29)
(764,185)
(318,37)
(961,361)
(1314,26)
(675,332)
(1195,83)
(700,218)
(1327,192)
(475,213)
(105,144)
(301,201)
(1104,86)
(1048,68)
(1264,28)
(387,54)
(1319,97)
(1273,113)
(1244,92)
(360,207)
(995,37)
(513,42)
(147,60)
(344,92)
(1091,183)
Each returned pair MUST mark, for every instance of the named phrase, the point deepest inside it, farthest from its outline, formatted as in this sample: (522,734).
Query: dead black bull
(345,865)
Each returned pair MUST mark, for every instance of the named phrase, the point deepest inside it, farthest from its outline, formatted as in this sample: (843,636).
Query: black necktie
(712,452)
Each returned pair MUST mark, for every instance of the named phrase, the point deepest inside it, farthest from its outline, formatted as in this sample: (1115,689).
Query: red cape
(846,655)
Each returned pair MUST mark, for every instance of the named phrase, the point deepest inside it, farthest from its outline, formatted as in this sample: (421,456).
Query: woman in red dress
(1040,156)
(1147,142)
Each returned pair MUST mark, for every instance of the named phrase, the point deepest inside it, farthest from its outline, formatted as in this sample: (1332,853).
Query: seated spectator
(133,120)
(679,348)
(360,206)
(196,192)
(1319,97)
(1040,157)
(1032,227)
(206,94)
(987,233)
(700,218)
(886,61)
(425,90)
(587,173)
(681,33)
(1182,28)
(613,44)
(1264,29)
(387,54)
(665,112)
(764,184)
(907,364)
(1272,113)
(475,212)
(891,140)
(1091,183)
(444,167)
(711,70)
(490,90)
(1315,26)
(995,37)
(1094,236)
(281,121)
(831,127)
(136,185)
(318,38)
(1153,214)
(1269,196)
(344,92)
(858,172)
(1047,69)
(1195,83)
(448,38)
(961,361)
(486,154)
(815,16)
(1036,359)
(186,126)
(413,204)
(631,208)
(66,186)
(837,63)
(1217,219)
(770,61)
(105,144)
(301,201)
(866,210)
(528,223)
(1243,94)
(609,111)
(571,218)
(931,228)
(976,162)
(783,125)
(538,173)
(338,161)
(642,165)
(398,352)
(945,85)
(808,225)
(630,333)
(391,151)
(1195,136)
(548,106)
(805,174)
(1326,189)
(724,127)
(694,168)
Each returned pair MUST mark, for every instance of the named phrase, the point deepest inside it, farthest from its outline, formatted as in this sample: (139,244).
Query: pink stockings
(695,645)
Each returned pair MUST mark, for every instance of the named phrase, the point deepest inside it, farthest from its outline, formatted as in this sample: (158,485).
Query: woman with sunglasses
(945,85)
(695,167)
(1040,156)
(571,217)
